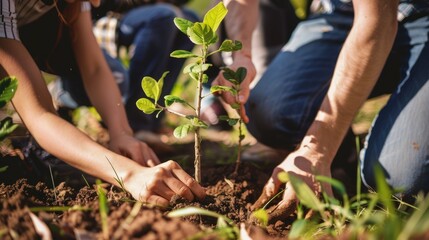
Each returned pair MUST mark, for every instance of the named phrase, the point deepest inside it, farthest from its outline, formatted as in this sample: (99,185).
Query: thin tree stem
(197,162)
(238,162)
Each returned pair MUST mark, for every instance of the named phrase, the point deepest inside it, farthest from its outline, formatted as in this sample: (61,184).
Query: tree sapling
(203,34)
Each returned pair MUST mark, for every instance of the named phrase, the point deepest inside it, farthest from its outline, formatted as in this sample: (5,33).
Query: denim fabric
(399,138)
(406,8)
(284,102)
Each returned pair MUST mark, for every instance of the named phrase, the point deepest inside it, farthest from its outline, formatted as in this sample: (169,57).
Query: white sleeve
(8,23)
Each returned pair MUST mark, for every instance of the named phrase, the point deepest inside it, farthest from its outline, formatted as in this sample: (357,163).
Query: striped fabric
(8,21)
(15,13)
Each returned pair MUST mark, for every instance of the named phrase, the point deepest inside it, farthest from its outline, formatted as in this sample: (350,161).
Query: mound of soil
(71,209)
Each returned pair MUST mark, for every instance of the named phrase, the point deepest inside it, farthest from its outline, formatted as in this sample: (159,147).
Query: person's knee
(406,177)
(275,127)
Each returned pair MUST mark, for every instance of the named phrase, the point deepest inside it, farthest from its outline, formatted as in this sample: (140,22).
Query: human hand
(157,185)
(240,60)
(305,163)
(131,147)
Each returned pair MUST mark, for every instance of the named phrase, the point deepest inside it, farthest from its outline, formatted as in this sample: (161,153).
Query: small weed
(53,183)
(59,209)
(225,227)
(104,209)
(119,180)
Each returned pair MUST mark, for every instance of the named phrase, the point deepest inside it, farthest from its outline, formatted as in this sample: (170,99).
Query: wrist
(243,53)
(117,132)
(323,147)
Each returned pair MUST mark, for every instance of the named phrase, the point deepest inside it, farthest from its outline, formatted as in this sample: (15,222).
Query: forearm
(358,68)
(98,79)
(66,142)
(34,105)
(105,97)
(240,22)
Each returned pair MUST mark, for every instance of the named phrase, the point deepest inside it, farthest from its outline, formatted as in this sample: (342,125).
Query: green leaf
(240,74)
(183,54)
(305,195)
(194,76)
(6,127)
(183,212)
(150,88)
(300,8)
(198,123)
(183,24)
(230,45)
(182,130)
(3,169)
(170,99)
(218,88)
(214,16)
(103,208)
(212,40)
(199,68)
(188,68)
(383,189)
(201,34)
(223,117)
(8,86)
(233,121)
(146,106)
(339,186)
(229,75)
(161,85)
(418,222)
(221,223)
(262,216)
(303,229)
(205,78)
(59,208)
(283,177)
(235,105)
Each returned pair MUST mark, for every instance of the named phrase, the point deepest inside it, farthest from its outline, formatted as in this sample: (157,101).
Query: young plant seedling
(236,78)
(202,34)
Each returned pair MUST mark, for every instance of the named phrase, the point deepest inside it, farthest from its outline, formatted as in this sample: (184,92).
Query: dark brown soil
(27,185)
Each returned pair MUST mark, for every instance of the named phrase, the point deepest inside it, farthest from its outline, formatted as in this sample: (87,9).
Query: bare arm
(34,105)
(97,77)
(358,67)
(240,22)
(104,93)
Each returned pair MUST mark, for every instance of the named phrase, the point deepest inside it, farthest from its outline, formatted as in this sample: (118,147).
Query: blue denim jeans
(284,102)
